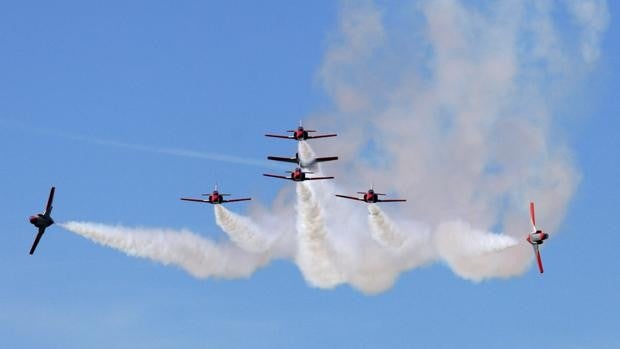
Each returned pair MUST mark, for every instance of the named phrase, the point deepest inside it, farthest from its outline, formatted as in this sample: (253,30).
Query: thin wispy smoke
(171,151)
(593,16)
(178,152)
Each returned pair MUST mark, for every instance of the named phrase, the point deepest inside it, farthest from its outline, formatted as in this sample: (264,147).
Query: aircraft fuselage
(537,237)
(300,134)
(371,197)
(41,221)
(216,198)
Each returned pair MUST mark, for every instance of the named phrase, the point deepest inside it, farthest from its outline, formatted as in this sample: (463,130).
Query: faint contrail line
(173,151)
(187,153)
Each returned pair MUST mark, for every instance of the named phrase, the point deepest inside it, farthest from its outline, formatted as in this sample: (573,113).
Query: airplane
(298,175)
(301,134)
(299,162)
(370,197)
(536,237)
(42,220)
(215,198)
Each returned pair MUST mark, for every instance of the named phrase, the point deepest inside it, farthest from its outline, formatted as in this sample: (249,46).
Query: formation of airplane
(215,198)
(301,134)
(536,237)
(370,196)
(297,175)
(42,220)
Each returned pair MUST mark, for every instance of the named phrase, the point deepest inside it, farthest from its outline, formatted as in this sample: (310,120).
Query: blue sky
(213,77)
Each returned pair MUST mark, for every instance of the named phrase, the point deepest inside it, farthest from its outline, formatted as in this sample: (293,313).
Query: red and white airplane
(301,134)
(370,197)
(536,237)
(298,175)
(216,198)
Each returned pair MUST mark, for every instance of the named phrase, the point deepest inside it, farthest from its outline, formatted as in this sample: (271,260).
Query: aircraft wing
(322,136)
(197,200)
(279,136)
(278,158)
(235,200)
(48,207)
(538,259)
(276,176)
(349,197)
(391,200)
(329,158)
(36,240)
(316,178)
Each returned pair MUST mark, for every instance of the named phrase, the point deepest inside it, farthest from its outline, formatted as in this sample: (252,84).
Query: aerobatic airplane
(42,220)
(215,198)
(536,237)
(297,160)
(301,134)
(370,197)
(298,175)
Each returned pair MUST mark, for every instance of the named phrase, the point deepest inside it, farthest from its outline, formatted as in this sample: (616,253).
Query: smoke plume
(242,231)
(198,256)
(450,104)
(383,229)
(313,254)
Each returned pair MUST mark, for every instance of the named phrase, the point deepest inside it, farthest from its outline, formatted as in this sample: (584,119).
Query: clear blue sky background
(214,77)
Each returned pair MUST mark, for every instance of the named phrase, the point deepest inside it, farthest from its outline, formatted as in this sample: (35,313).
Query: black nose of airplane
(33,219)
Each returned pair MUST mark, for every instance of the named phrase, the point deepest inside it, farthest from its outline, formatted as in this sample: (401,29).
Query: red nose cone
(33,219)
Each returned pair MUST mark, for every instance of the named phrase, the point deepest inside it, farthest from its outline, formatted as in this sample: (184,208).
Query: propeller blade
(532,215)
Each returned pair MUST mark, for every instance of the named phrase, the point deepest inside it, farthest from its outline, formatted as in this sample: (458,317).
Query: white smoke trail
(314,257)
(198,256)
(383,229)
(243,231)
(306,154)
(476,255)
